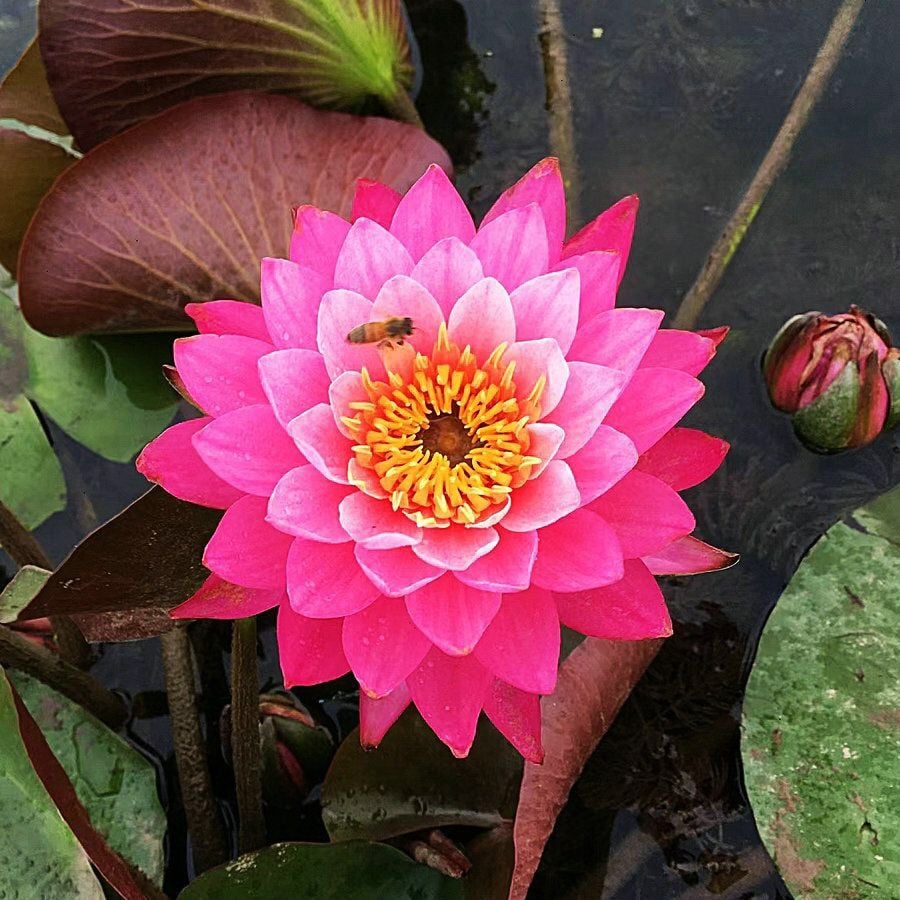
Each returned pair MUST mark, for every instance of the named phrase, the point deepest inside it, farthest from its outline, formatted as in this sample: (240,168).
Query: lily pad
(20,592)
(114,782)
(155,55)
(821,741)
(38,849)
(148,556)
(377,794)
(182,207)
(348,871)
(28,163)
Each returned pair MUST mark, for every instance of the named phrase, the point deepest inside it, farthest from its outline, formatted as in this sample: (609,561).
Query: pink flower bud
(836,375)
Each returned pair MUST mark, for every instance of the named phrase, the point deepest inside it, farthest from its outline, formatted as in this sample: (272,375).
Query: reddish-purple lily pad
(182,207)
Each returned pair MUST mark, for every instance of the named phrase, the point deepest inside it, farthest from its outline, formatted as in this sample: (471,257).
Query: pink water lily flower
(426,514)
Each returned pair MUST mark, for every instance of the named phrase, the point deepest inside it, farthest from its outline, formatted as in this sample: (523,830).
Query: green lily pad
(39,856)
(349,871)
(32,485)
(821,741)
(377,794)
(114,782)
(23,588)
(108,393)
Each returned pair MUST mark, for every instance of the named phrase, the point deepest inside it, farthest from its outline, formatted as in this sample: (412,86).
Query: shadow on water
(676,102)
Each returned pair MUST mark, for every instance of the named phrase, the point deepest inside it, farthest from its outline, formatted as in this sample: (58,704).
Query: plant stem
(245,735)
(558,91)
(773,164)
(49,667)
(401,107)
(25,550)
(203,820)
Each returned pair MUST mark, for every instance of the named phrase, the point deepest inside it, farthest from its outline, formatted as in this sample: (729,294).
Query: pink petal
(602,462)
(547,306)
(716,335)
(456,547)
(374,200)
(229,317)
(513,247)
(375,524)
(618,338)
(590,393)
(377,716)
(534,359)
(482,318)
(452,615)
(172,462)
(365,480)
(449,693)
(689,556)
(315,433)
(517,716)
(404,297)
(599,271)
(684,457)
(248,449)
(545,439)
(310,650)
(682,350)
(653,401)
(305,504)
(631,609)
(429,211)
(542,500)
(383,646)
(577,553)
(369,257)
(497,514)
(448,270)
(521,645)
(245,549)
(293,381)
(396,572)
(219,370)
(507,567)
(324,580)
(317,239)
(339,313)
(645,513)
(347,388)
(611,230)
(217,599)
(291,295)
(543,185)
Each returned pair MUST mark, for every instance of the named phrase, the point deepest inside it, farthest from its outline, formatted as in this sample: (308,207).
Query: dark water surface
(677,102)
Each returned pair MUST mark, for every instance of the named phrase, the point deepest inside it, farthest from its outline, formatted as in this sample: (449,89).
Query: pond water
(676,102)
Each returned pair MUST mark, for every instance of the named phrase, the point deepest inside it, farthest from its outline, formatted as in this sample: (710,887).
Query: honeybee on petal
(388,333)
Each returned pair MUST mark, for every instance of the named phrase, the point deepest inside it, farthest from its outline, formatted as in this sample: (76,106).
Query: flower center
(448,441)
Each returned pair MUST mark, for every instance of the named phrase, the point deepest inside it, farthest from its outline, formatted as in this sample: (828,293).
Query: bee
(388,333)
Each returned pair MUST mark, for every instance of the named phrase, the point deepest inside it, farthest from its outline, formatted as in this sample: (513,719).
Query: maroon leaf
(129,883)
(125,625)
(113,63)
(146,557)
(182,207)
(593,683)
(28,165)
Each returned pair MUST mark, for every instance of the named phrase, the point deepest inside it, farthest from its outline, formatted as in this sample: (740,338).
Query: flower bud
(837,376)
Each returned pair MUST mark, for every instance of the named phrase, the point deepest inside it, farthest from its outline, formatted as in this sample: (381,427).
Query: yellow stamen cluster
(448,441)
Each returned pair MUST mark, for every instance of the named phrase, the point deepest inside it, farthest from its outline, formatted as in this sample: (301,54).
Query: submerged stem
(245,735)
(771,167)
(558,90)
(47,666)
(202,814)
(25,550)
